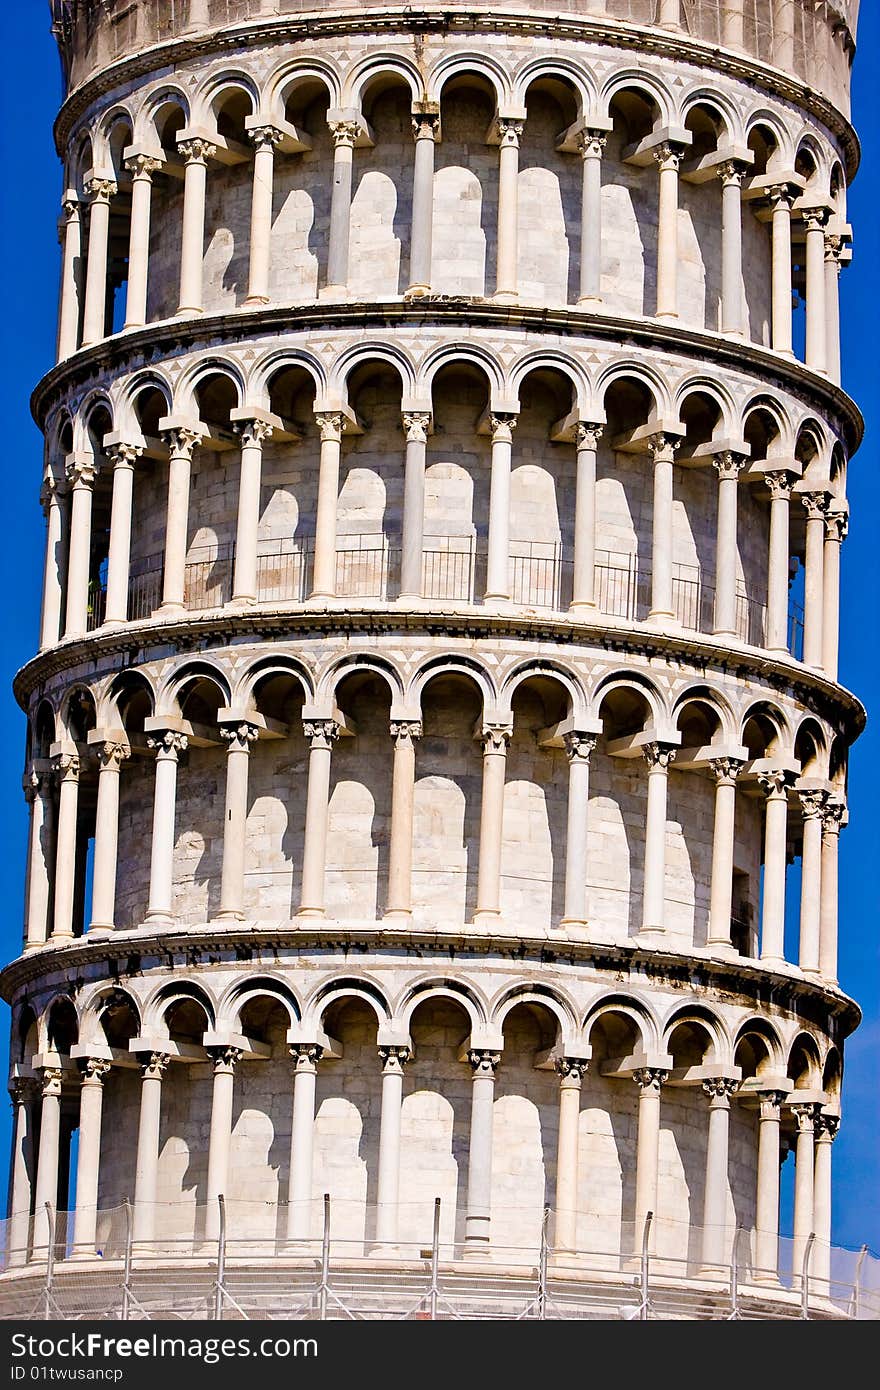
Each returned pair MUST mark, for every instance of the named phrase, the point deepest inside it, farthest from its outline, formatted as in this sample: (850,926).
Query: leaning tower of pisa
(436,757)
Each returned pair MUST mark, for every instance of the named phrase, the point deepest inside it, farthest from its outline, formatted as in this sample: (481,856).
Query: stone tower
(445,481)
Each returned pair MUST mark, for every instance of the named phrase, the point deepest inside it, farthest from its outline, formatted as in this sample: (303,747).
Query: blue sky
(29,96)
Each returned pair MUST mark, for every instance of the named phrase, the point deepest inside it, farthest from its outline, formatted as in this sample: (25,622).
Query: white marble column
(91,1101)
(833,249)
(731,174)
(50,620)
(146,1175)
(775,786)
(591,147)
(816,352)
(780,202)
(238,739)
(81,471)
(196,153)
(483,1065)
(122,459)
(663,450)
(803,1184)
(506,264)
(426,128)
(669,14)
(71,278)
(578,748)
(583,589)
(393,1060)
(168,746)
(23,1093)
(779,485)
(732,24)
(404,732)
(299,1190)
(415,427)
(111,756)
(344,133)
(834,813)
(782,17)
(324,580)
(495,741)
(650,1081)
(658,757)
(725,771)
(142,168)
(46,1192)
(668,159)
(813,809)
(715,1248)
(816,506)
(66,767)
(767,1199)
(498,560)
(253,434)
(225,1060)
(321,734)
(38,791)
(265,139)
(181,441)
(728,466)
(99,192)
(571,1071)
(826,1127)
(836,527)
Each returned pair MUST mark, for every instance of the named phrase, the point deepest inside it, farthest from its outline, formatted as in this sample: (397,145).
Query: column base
(33,945)
(256,301)
(241,601)
(772,960)
(158,919)
(60,937)
(573,922)
(505,297)
(726,632)
(320,595)
(170,610)
(189,311)
(723,948)
(114,622)
(666,314)
(416,291)
(231,915)
(311,912)
(81,1255)
(485,915)
(99,930)
(661,617)
(812,972)
(397,914)
(132,327)
(585,607)
(589,299)
(333,292)
(651,935)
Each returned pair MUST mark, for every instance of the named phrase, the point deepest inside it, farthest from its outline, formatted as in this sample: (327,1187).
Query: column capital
(483,1062)
(668,155)
(153,1065)
(331,425)
(66,767)
(344,133)
(321,733)
(394,1058)
(182,439)
(836,526)
(143,166)
(426,125)
(591,143)
(167,743)
(827,1128)
(726,770)
(416,425)
(719,1089)
(813,803)
(779,484)
(263,136)
(50,489)
(23,1090)
(306,1056)
(834,248)
(35,782)
(732,172)
(239,737)
(587,434)
(805,1116)
(405,731)
(571,1070)
(71,201)
(658,755)
(770,1104)
(815,219)
(81,471)
(100,190)
(782,195)
(253,433)
(775,783)
(93,1070)
(50,1081)
(509,130)
(111,754)
(833,814)
(728,465)
(502,427)
(197,150)
(578,746)
(123,455)
(495,738)
(650,1078)
(663,447)
(816,504)
(225,1058)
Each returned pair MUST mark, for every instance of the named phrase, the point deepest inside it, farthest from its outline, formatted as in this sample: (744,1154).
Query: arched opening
(359,822)
(166,214)
(98,425)
(465,190)
(228,204)
(210,555)
(275,819)
(370,507)
(624,504)
(699,219)
(608,1132)
(535,806)
(526,1121)
(629,203)
(120,138)
(457,476)
(301,195)
(549,195)
(289,490)
(695,514)
(149,505)
(618,807)
(692,814)
(543,474)
(383,177)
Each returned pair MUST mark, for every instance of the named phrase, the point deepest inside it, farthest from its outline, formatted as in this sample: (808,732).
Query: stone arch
(58,1023)
(804,1063)
(555,1000)
(644,375)
(127,687)
(717,391)
(153,379)
(106,997)
(559,66)
(714,700)
(215,89)
(443,988)
(77,713)
(453,354)
(44,725)
(375,66)
(234,999)
(813,449)
(700,1018)
(25,1033)
(639,684)
(330,679)
(83,429)
(260,376)
(351,987)
(466,64)
(156,109)
(360,354)
(452,666)
(167,995)
(274,665)
(807,144)
(197,373)
(551,671)
(639,1014)
(812,747)
(767,713)
(281,82)
(832,1073)
(777,413)
(555,361)
(762,118)
(758,1048)
(102,141)
(645,85)
(721,105)
(202,669)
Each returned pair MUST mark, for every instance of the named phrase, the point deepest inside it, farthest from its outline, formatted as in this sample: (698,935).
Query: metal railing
(207,577)
(536,574)
(364,565)
(325,1259)
(448,568)
(284,569)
